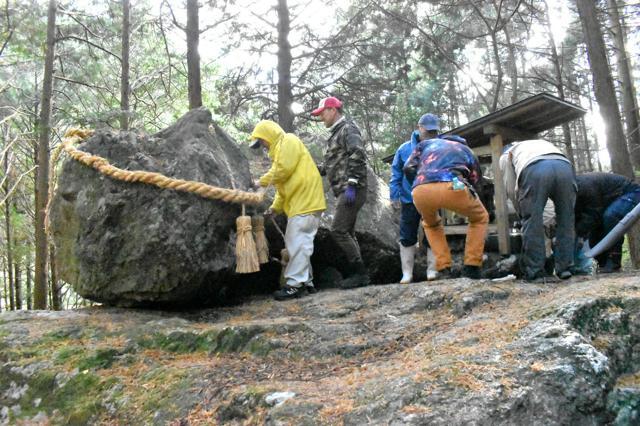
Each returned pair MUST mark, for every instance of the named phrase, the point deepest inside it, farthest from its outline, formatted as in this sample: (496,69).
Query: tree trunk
(604,89)
(4,282)
(512,67)
(585,138)
(28,268)
(8,233)
(42,175)
(627,88)
(193,58)
(453,99)
(498,87)
(55,285)
(124,76)
(17,284)
(559,83)
(595,139)
(285,96)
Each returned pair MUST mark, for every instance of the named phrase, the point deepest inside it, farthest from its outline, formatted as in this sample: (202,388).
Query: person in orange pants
(443,173)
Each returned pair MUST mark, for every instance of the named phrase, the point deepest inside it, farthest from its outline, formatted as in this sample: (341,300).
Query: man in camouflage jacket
(345,165)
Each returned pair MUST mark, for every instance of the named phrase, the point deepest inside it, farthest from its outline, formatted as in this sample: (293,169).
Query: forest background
(142,65)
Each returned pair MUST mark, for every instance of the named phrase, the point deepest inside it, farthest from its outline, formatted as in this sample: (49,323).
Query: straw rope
(73,136)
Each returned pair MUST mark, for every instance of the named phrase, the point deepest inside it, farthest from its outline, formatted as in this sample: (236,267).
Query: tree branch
(71,37)
(69,80)
(173,17)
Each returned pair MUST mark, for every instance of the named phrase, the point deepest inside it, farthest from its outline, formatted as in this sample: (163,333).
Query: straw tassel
(262,246)
(284,260)
(246,255)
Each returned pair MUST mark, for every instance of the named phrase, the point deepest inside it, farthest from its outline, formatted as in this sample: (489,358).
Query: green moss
(177,341)
(169,397)
(259,347)
(102,358)
(229,339)
(74,332)
(63,334)
(232,340)
(4,346)
(242,406)
(78,401)
(67,354)
(594,319)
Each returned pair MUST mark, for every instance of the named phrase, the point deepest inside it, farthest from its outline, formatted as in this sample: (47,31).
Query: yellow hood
(268,131)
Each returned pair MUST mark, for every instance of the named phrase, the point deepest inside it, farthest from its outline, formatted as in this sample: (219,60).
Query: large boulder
(125,243)
(133,244)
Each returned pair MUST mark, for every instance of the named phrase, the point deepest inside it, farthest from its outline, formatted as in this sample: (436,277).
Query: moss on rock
(227,340)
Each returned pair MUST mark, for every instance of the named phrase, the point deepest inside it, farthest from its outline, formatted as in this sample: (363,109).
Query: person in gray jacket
(345,165)
(533,172)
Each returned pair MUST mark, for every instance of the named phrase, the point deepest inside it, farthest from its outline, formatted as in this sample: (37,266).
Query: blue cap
(430,122)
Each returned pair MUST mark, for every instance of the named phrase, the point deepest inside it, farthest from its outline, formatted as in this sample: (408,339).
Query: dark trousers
(538,182)
(612,215)
(343,228)
(409,225)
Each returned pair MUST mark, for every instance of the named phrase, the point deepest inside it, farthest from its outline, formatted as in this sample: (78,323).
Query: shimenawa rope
(157,179)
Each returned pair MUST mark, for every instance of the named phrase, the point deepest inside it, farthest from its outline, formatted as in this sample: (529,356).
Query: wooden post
(502,213)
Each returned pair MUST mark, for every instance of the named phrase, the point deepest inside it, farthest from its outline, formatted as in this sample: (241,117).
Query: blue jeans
(409,222)
(538,182)
(612,215)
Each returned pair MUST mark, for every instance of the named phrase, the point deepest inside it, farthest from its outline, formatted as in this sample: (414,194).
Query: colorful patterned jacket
(440,160)
(399,186)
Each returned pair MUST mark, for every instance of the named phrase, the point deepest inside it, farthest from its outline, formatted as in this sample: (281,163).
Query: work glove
(268,212)
(350,195)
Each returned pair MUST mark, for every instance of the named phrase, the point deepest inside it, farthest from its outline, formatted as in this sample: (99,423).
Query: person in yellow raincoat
(299,195)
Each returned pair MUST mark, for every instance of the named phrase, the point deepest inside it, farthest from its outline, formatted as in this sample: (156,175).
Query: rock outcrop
(137,245)
(451,353)
(123,243)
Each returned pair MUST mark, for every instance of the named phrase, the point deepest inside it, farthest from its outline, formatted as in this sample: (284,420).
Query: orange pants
(430,197)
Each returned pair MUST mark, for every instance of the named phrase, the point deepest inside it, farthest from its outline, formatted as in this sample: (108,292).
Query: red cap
(329,102)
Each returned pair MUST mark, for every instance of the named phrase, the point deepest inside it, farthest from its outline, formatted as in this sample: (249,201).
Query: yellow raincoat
(293,172)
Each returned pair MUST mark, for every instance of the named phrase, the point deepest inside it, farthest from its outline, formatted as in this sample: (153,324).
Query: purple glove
(350,195)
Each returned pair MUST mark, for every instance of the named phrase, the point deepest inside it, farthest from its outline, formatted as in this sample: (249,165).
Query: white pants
(298,240)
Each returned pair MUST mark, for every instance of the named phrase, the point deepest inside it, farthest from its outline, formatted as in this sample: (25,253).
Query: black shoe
(472,272)
(287,292)
(356,280)
(609,267)
(356,276)
(565,275)
(448,273)
(539,279)
(444,274)
(311,289)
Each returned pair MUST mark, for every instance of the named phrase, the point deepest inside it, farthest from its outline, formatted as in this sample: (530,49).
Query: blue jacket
(399,185)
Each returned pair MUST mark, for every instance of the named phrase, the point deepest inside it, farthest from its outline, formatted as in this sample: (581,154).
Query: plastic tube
(616,233)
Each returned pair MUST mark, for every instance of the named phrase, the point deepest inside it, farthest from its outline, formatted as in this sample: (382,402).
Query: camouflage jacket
(345,157)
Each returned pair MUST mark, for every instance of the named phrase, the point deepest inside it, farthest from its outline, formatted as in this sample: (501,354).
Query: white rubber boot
(432,272)
(407,257)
